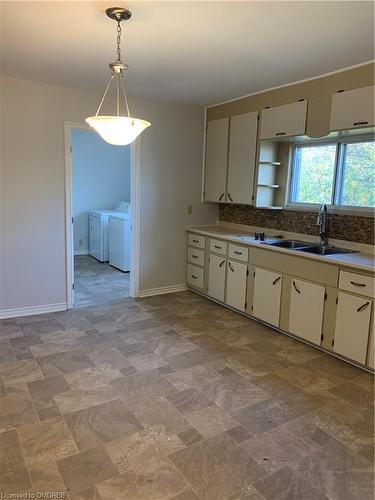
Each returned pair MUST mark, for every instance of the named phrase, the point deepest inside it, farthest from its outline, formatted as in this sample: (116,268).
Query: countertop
(357,261)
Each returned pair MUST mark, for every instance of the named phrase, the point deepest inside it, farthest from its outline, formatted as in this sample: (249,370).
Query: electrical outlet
(190,209)
(80,242)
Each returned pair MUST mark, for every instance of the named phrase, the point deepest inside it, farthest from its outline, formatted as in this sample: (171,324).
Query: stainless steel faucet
(322,223)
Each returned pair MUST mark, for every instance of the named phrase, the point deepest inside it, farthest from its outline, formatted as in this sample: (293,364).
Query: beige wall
(318,92)
(33,256)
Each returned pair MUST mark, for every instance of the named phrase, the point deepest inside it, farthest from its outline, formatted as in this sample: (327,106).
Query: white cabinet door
(352,109)
(283,121)
(306,310)
(241,159)
(370,355)
(267,296)
(216,277)
(352,326)
(236,285)
(216,160)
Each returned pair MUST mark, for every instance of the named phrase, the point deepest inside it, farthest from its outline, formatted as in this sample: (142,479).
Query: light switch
(190,209)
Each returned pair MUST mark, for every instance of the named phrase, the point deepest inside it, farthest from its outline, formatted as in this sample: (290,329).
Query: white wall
(33,259)
(100,178)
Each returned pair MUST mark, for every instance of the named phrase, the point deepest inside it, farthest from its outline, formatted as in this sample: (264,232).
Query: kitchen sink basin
(303,246)
(288,244)
(325,250)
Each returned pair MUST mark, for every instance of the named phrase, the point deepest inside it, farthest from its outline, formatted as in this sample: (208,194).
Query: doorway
(102,190)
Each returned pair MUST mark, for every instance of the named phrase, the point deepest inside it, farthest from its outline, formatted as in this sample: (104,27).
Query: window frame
(337,177)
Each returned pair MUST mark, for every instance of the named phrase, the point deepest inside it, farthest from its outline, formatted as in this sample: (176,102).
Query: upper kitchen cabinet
(284,121)
(229,174)
(241,160)
(352,108)
(215,178)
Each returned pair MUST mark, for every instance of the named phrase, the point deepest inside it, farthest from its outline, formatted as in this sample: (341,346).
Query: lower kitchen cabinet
(352,326)
(306,310)
(267,296)
(216,277)
(236,284)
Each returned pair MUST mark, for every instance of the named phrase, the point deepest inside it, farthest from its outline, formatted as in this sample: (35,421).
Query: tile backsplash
(341,227)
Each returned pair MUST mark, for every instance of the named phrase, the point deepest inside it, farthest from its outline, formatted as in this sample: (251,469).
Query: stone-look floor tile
(288,485)
(86,468)
(186,494)
(147,362)
(211,421)
(23,353)
(216,468)
(239,434)
(47,325)
(306,379)
(81,398)
(332,366)
(252,364)
(47,387)
(46,408)
(45,441)
(188,400)
(92,377)
(338,472)
(194,377)
(190,436)
(100,424)
(90,493)
(9,329)
(192,358)
(6,352)
(26,341)
(264,416)
(15,410)
(276,448)
(249,493)
(233,393)
(353,394)
(45,477)
(106,355)
(64,362)
(14,476)
(161,412)
(20,371)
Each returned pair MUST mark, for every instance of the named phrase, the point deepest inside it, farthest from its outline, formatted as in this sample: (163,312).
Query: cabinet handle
(230,267)
(195,256)
(221,196)
(195,277)
(357,284)
(363,306)
(195,241)
(276,280)
(295,287)
(221,263)
(280,133)
(359,123)
(230,198)
(217,246)
(237,253)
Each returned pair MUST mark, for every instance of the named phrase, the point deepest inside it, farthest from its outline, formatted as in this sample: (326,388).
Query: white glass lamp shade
(118,130)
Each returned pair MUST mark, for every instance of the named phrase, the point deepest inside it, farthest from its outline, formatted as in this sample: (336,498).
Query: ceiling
(196,52)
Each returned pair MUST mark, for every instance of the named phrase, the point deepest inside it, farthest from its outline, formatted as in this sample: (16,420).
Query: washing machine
(119,238)
(98,230)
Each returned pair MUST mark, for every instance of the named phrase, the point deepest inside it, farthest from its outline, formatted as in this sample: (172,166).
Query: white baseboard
(28,311)
(162,290)
(81,252)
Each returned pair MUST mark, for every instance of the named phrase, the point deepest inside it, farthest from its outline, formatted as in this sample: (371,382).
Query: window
(335,173)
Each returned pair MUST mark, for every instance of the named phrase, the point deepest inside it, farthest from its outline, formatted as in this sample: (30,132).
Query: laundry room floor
(97,283)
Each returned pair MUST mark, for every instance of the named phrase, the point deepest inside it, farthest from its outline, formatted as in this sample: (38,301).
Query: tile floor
(175,397)
(98,283)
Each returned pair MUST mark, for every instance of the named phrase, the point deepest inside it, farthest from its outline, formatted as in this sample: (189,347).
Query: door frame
(135,183)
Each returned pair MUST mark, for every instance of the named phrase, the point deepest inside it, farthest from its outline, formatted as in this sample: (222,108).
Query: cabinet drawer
(239,253)
(218,246)
(196,240)
(194,276)
(195,256)
(357,283)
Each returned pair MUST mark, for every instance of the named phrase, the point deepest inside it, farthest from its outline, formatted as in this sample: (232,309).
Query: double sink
(302,246)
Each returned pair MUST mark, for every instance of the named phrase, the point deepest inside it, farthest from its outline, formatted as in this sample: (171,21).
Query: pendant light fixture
(117,129)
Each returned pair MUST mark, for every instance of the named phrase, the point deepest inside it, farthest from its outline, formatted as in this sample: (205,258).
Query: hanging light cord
(119,72)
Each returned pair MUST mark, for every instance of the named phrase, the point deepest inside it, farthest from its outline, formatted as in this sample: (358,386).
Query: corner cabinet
(352,108)
(284,121)
(230,159)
